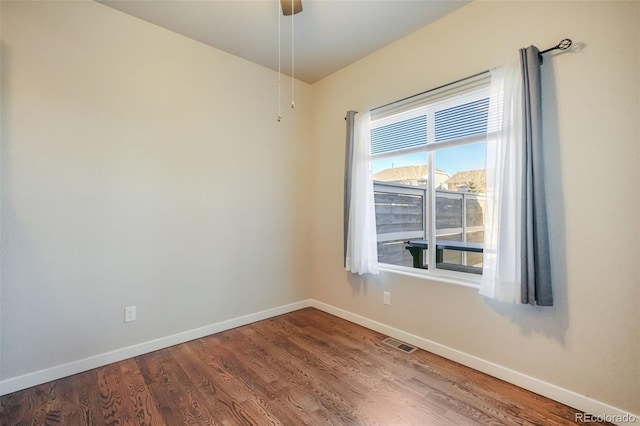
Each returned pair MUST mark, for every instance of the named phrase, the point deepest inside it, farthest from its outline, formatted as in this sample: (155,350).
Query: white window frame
(431,147)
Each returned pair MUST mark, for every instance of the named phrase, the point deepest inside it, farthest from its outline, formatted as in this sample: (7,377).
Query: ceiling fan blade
(287,9)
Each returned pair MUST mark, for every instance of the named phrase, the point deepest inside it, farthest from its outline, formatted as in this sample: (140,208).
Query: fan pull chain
(279,70)
(293,104)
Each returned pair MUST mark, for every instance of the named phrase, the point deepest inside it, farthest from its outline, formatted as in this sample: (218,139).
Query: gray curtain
(347,177)
(536,262)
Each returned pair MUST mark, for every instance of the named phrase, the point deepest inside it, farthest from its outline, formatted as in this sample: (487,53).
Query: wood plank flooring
(303,368)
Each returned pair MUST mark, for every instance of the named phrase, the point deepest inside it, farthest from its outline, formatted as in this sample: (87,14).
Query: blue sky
(450,160)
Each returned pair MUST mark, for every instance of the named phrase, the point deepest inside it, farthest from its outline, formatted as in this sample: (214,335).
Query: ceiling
(329,34)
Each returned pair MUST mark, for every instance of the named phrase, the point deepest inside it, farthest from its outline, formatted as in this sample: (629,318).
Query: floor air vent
(401,346)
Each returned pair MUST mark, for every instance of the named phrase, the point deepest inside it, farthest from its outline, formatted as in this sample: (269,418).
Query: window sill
(447,277)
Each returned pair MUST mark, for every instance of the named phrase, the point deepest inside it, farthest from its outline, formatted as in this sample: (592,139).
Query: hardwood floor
(306,367)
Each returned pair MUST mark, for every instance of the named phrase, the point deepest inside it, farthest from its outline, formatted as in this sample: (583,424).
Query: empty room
(319,212)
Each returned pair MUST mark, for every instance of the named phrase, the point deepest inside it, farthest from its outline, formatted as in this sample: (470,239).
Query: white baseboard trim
(596,408)
(59,371)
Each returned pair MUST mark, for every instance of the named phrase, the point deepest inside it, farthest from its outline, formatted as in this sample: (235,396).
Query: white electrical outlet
(386,298)
(129,313)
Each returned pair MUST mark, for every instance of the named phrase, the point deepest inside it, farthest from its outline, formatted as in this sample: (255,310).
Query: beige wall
(589,342)
(139,168)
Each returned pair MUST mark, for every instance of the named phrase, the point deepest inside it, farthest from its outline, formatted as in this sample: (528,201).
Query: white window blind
(455,113)
(462,121)
(400,135)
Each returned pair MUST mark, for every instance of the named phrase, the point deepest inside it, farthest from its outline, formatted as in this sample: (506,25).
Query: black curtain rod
(431,90)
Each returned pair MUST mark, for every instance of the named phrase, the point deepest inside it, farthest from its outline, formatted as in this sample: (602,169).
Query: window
(428,164)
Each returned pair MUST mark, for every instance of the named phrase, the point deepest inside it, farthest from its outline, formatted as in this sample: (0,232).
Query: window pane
(399,193)
(460,203)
